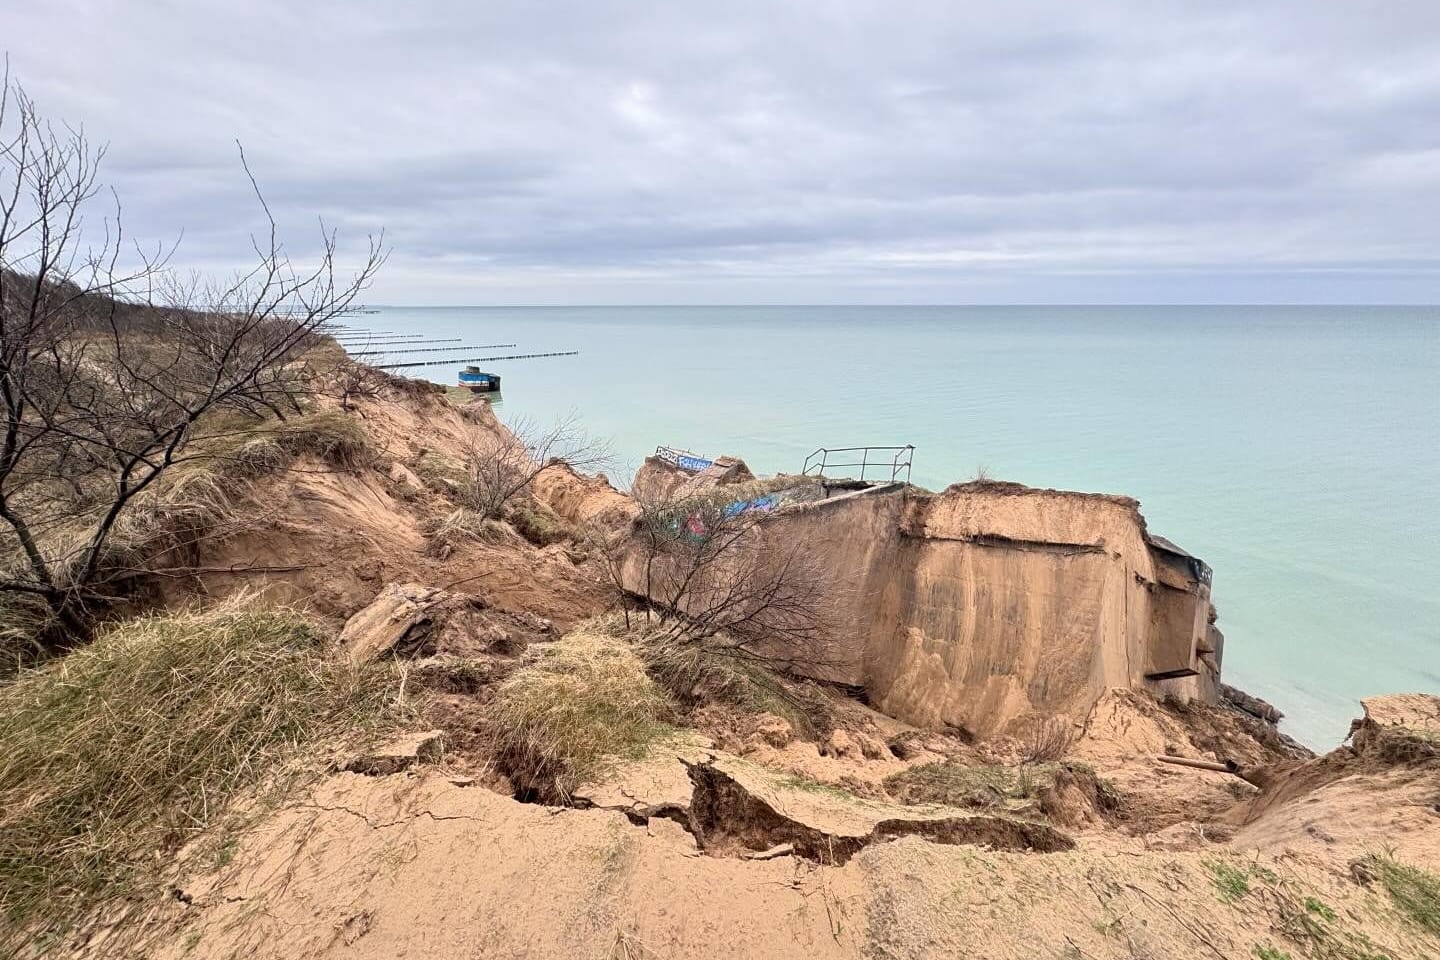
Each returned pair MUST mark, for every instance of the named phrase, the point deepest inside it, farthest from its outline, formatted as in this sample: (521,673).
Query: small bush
(585,699)
(1048,741)
(1414,891)
(128,747)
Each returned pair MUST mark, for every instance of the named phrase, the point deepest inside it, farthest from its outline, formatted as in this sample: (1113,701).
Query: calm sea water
(1296,449)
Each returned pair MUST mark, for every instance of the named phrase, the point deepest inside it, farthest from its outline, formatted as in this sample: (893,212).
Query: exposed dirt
(329,540)
(736,807)
(420,866)
(745,836)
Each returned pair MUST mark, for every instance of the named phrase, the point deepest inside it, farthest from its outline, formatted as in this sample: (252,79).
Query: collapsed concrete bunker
(987,604)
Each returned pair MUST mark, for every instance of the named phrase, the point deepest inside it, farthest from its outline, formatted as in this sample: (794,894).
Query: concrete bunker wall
(990,603)
(987,603)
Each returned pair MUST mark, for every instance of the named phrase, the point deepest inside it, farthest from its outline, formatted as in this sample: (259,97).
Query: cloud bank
(835,151)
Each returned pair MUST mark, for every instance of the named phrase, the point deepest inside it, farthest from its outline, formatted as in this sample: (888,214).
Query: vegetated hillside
(364,718)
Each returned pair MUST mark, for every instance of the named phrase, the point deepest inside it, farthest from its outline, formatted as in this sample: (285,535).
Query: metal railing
(875,459)
(686,460)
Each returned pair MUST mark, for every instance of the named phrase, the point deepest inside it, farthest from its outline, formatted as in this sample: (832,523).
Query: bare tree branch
(111,376)
(708,572)
(501,464)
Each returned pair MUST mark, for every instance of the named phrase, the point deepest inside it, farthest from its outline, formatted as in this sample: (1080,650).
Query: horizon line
(462,306)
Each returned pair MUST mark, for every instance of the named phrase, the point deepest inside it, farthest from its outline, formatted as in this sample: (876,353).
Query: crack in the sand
(411,818)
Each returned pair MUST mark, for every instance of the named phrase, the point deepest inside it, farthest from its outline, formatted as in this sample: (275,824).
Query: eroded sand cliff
(917,818)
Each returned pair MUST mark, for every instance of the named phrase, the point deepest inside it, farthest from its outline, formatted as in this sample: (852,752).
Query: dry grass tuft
(696,674)
(583,700)
(337,438)
(440,474)
(128,747)
(242,446)
(444,535)
(539,524)
(957,784)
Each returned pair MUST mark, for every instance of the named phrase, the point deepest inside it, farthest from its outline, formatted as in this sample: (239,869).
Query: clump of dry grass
(696,674)
(539,524)
(128,747)
(243,446)
(440,474)
(582,701)
(958,784)
(335,437)
(445,534)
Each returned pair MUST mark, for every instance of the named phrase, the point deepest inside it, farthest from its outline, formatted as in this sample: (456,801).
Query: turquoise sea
(1296,449)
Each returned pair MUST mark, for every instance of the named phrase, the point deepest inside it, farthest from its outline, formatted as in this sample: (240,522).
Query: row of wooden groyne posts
(386,345)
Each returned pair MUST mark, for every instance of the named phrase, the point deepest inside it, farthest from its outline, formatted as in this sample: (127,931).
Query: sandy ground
(415,866)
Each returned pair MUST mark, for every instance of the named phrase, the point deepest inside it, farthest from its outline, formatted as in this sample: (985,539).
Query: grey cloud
(939,151)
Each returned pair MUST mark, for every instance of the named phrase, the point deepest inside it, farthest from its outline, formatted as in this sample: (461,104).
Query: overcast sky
(805,152)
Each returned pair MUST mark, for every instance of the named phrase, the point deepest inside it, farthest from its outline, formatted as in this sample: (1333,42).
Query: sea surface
(1295,449)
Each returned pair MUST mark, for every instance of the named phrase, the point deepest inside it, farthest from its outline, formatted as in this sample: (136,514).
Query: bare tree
(110,376)
(501,463)
(708,574)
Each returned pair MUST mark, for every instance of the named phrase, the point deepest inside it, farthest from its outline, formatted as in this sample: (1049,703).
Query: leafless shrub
(501,463)
(706,574)
(355,381)
(112,376)
(1048,741)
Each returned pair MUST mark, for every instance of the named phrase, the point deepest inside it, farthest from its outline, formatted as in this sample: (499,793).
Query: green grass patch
(1414,891)
(1232,881)
(1267,952)
(583,702)
(127,748)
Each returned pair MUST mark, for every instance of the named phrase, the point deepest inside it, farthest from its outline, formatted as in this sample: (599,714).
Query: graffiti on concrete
(684,459)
